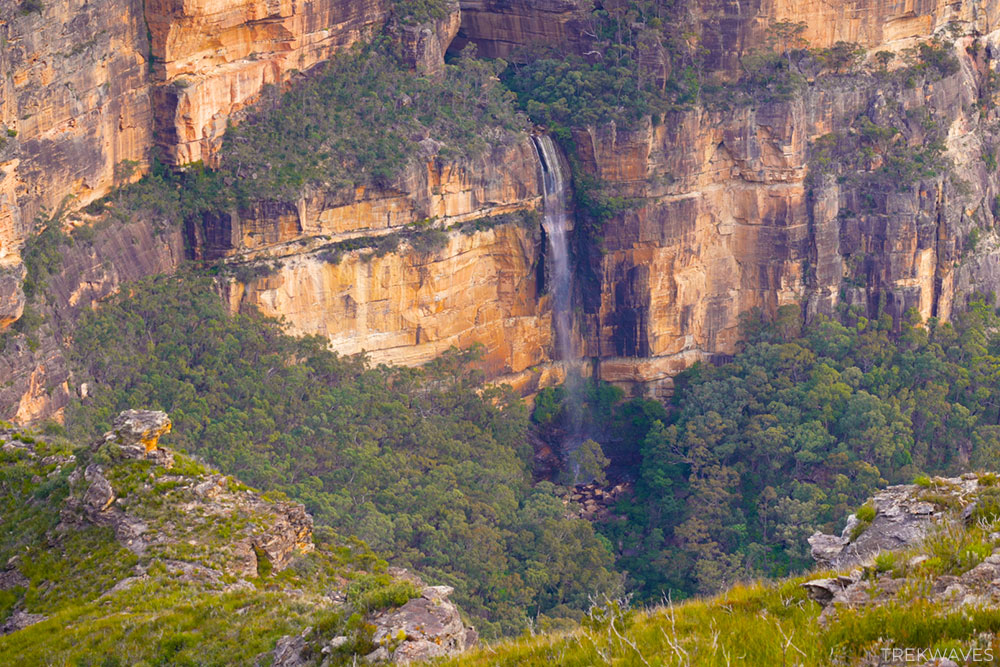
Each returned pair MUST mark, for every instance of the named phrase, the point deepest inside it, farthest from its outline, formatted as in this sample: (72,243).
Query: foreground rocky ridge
(113,527)
(915,580)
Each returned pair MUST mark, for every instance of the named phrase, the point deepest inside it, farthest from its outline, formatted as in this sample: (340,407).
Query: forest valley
(435,470)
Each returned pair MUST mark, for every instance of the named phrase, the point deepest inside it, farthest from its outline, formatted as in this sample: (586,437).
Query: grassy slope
(162,617)
(776,623)
(757,624)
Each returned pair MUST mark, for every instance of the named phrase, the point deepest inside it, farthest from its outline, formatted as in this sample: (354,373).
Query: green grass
(373,592)
(865,515)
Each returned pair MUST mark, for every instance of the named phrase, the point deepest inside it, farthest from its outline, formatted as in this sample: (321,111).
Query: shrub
(29,6)
(374,592)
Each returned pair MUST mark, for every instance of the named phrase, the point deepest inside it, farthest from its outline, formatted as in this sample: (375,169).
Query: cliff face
(74,104)
(37,379)
(214,58)
(727,214)
(729,222)
(408,305)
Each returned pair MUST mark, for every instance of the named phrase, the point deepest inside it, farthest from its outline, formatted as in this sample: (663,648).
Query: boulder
(425,627)
(99,495)
(138,432)
(289,649)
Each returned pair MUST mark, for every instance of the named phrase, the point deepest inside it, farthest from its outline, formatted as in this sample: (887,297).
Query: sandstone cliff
(727,214)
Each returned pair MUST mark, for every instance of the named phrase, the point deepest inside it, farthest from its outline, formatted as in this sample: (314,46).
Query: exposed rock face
(139,429)
(74,104)
(37,375)
(500,27)
(727,30)
(423,45)
(11,295)
(410,305)
(960,572)
(903,516)
(730,222)
(424,628)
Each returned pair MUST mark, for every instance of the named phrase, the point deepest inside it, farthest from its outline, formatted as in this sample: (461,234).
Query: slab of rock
(20,620)
(138,432)
(425,627)
(99,495)
(902,519)
(288,652)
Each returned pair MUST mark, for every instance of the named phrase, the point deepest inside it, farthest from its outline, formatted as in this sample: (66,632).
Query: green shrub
(29,6)
(885,561)
(374,592)
(987,507)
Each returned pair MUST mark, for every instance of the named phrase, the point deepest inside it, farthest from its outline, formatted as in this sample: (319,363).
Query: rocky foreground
(913,579)
(127,528)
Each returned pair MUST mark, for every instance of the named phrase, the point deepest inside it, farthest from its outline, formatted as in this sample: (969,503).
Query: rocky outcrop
(902,517)
(932,543)
(424,628)
(726,31)
(138,432)
(182,525)
(11,295)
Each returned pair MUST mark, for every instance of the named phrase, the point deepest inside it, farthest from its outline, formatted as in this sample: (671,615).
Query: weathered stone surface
(37,377)
(288,652)
(140,429)
(407,307)
(425,627)
(19,620)
(903,518)
(824,590)
(11,296)
(423,46)
(76,91)
(499,28)
(99,495)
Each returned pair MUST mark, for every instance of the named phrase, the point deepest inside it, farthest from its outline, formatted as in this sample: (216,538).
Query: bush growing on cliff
(419,11)
(428,466)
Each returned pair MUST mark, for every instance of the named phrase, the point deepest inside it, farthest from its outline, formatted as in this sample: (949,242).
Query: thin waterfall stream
(556,223)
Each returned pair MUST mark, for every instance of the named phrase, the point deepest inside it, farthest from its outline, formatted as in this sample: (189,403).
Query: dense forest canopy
(800,428)
(428,466)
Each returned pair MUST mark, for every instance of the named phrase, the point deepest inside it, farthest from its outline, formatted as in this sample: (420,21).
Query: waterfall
(555,223)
